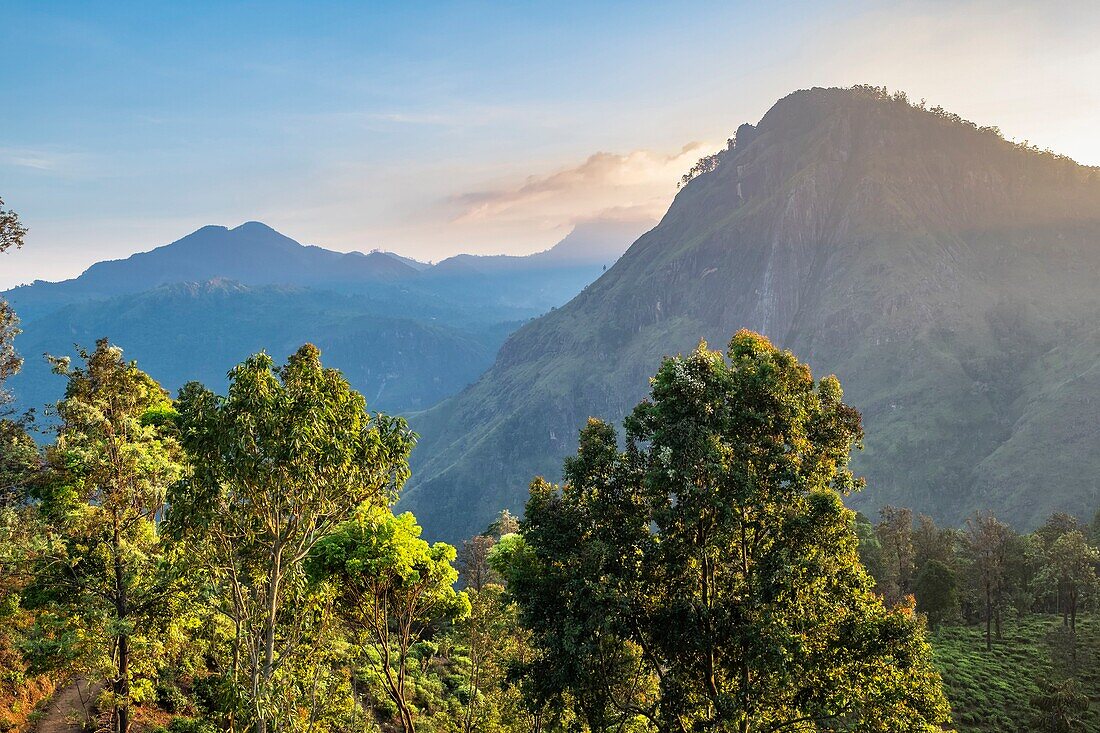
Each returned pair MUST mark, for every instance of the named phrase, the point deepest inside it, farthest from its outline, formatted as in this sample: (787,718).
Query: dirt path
(66,712)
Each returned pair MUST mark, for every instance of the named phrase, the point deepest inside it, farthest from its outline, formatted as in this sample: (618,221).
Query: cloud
(55,162)
(641,182)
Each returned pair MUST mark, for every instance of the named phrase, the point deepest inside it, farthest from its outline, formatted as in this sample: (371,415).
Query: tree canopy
(105,576)
(280,461)
(706,578)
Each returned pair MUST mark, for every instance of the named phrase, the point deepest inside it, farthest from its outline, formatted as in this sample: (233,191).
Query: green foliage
(1068,572)
(994,691)
(708,577)
(895,535)
(11,236)
(12,230)
(1060,707)
(279,462)
(937,592)
(189,725)
(104,586)
(392,588)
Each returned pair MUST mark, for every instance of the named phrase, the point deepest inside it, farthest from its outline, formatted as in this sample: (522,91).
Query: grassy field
(992,691)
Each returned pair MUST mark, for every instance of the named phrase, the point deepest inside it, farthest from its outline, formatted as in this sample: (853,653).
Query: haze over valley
(406,333)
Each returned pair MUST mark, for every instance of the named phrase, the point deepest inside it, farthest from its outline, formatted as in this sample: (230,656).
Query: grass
(992,691)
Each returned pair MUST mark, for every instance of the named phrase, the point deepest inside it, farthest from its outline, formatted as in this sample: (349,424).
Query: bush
(189,725)
(170,698)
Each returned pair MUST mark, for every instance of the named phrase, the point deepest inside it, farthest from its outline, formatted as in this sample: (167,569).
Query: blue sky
(430,129)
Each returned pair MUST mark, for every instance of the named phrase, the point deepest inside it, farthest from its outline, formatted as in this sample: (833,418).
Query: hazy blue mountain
(597,243)
(947,276)
(252,254)
(189,331)
(405,334)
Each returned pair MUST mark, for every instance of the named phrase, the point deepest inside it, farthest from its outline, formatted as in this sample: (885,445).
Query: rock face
(948,277)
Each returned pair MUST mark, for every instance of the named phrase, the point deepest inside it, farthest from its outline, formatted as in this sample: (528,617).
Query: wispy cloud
(642,181)
(59,162)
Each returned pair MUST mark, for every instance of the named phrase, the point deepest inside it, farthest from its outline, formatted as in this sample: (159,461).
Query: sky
(436,128)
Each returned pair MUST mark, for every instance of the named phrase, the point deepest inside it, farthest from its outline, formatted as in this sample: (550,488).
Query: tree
(108,472)
(19,461)
(473,556)
(494,637)
(932,543)
(504,524)
(21,536)
(12,231)
(715,557)
(491,632)
(1057,525)
(986,544)
(279,462)
(1059,707)
(1069,571)
(392,587)
(481,583)
(937,592)
(11,236)
(895,534)
(473,562)
(870,549)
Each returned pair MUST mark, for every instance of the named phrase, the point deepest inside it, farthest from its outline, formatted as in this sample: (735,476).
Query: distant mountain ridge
(197,331)
(255,254)
(593,242)
(947,276)
(252,253)
(406,333)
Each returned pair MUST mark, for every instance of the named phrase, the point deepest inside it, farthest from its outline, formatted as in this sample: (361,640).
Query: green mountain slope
(947,276)
(199,331)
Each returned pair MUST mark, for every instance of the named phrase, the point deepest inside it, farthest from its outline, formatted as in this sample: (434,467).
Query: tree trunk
(270,621)
(123,686)
(989,619)
(122,683)
(475,681)
(406,715)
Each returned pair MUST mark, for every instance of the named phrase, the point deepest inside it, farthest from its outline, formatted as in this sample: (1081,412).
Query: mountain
(255,254)
(252,254)
(598,242)
(406,333)
(199,331)
(946,275)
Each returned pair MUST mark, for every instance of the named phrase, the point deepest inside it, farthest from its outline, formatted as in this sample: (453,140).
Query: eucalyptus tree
(12,233)
(392,588)
(1068,571)
(895,533)
(986,546)
(105,579)
(281,460)
(707,578)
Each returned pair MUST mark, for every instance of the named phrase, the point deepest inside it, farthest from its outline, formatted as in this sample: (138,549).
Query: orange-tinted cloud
(641,183)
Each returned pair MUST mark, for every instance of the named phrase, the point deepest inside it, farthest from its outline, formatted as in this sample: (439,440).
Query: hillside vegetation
(946,275)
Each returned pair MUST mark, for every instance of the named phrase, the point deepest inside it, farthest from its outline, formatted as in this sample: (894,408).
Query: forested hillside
(248,572)
(946,275)
(406,333)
